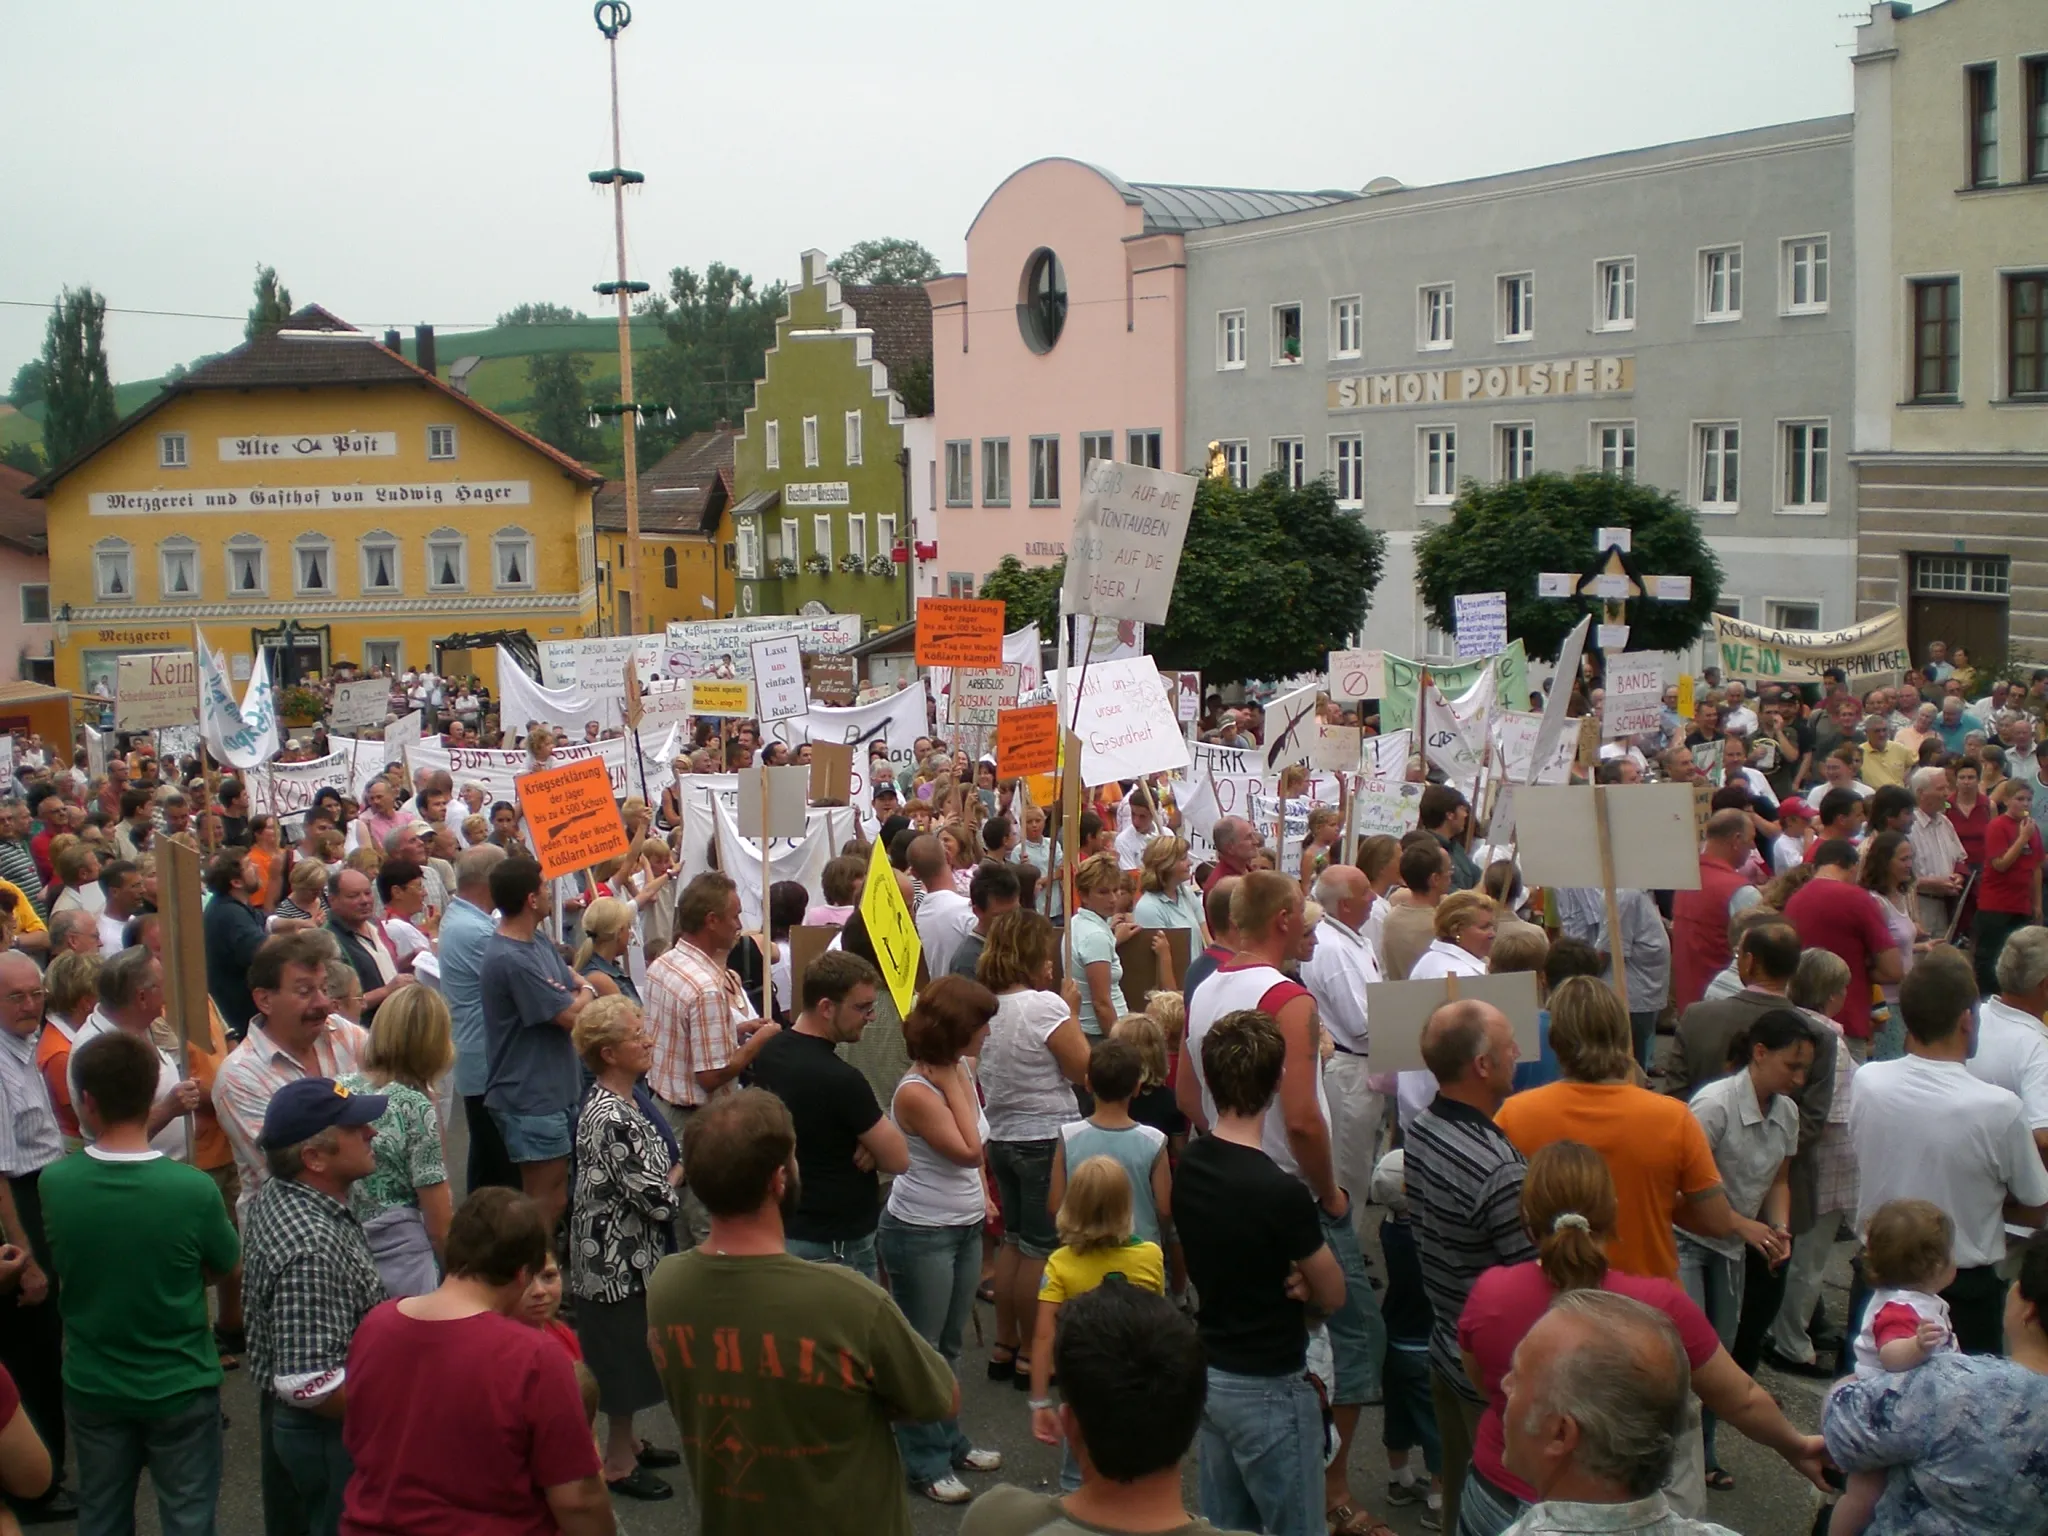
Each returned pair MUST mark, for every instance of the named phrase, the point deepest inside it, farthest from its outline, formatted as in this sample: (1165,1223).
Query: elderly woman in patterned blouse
(625,1194)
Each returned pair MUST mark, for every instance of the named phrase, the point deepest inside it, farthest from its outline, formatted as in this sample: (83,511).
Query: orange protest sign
(1028,741)
(571,815)
(959,632)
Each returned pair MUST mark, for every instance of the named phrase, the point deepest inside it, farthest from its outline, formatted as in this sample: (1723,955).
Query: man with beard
(843,1140)
(827,1359)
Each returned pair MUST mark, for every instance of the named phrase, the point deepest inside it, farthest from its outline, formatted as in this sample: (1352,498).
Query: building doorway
(1960,600)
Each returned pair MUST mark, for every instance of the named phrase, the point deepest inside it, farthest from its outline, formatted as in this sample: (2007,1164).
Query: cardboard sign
(1127,727)
(571,816)
(732,697)
(831,773)
(1357,674)
(1141,965)
(1333,748)
(806,943)
(1622,539)
(156,690)
(1028,741)
(363,702)
(1635,694)
(891,930)
(959,632)
(1587,751)
(1557,584)
(779,678)
(1482,623)
(1399,1010)
(633,710)
(1649,828)
(1386,807)
(979,694)
(774,798)
(1125,549)
(833,679)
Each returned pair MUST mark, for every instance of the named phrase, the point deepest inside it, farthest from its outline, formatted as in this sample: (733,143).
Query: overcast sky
(425,160)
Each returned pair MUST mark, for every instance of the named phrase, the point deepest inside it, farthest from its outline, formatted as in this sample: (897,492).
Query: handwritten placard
(1125,550)
(977,695)
(729,696)
(1357,674)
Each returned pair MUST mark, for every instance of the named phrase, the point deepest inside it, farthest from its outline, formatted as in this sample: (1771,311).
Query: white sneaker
(1433,1513)
(948,1490)
(981,1461)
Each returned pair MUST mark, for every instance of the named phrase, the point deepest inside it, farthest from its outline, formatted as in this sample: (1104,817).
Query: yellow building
(685,538)
(316,496)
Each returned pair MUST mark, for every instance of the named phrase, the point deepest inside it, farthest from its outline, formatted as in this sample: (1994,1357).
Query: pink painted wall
(1117,367)
(16,638)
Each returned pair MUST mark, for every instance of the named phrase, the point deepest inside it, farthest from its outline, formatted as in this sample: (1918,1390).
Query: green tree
(542,313)
(1271,579)
(79,396)
(913,382)
(560,403)
(1029,593)
(1499,537)
(22,456)
(30,384)
(889,261)
(717,331)
(272,306)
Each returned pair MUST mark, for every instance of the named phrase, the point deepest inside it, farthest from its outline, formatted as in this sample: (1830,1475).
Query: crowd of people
(480,1174)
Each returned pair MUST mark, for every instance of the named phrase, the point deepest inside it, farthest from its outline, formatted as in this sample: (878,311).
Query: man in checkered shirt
(307,1280)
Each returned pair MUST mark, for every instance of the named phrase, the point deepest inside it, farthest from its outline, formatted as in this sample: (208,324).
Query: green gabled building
(834,455)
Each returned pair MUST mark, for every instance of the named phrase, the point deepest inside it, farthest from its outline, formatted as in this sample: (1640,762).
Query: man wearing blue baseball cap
(308,1279)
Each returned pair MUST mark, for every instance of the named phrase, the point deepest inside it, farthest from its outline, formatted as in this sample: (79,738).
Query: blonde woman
(404,1204)
(1097,884)
(1465,925)
(1325,831)
(1168,896)
(602,958)
(305,904)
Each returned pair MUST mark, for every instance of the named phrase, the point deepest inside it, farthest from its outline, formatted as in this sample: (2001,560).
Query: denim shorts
(1358,1335)
(1023,1175)
(536,1138)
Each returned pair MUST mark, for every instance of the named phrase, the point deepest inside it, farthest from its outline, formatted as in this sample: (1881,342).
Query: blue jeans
(1261,1455)
(857,1253)
(932,1274)
(1411,1415)
(1358,1334)
(305,1470)
(1714,1283)
(181,1448)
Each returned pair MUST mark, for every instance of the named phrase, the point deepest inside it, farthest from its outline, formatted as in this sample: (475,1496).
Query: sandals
(1347,1519)
(1719,1481)
(1003,1370)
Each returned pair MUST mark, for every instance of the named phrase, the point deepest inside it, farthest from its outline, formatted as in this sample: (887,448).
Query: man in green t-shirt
(137,1236)
(784,1376)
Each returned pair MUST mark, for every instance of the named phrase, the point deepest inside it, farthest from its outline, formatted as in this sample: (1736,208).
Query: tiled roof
(22,523)
(681,492)
(1171,209)
(312,348)
(900,317)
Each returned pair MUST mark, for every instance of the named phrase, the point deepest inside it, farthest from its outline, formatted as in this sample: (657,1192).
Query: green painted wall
(821,378)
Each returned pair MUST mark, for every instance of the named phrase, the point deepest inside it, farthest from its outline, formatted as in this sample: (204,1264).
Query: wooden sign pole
(1345,818)
(206,769)
(767,945)
(184,950)
(1606,837)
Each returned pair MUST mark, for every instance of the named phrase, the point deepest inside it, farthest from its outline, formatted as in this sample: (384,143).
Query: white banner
(242,735)
(710,803)
(1022,649)
(523,702)
(1126,722)
(594,664)
(719,647)
(1386,756)
(898,720)
(287,789)
(495,769)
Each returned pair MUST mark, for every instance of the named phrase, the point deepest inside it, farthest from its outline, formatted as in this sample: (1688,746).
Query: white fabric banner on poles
(898,720)
(521,699)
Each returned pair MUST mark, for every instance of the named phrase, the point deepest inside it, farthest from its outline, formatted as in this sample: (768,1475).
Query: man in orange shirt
(1663,1169)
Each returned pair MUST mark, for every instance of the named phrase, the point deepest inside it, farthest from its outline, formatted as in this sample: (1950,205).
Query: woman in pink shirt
(1569,1207)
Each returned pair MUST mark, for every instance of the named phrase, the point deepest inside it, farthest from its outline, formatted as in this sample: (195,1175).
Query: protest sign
(833,679)
(1028,741)
(1386,807)
(594,662)
(1558,703)
(1024,649)
(1649,832)
(1185,689)
(1290,724)
(1482,621)
(729,697)
(779,678)
(1400,1009)
(897,719)
(719,647)
(287,789)
(773,798)
(400,736)
(1403,679)
(1635,694)
(1357,674)
(1127,539)
(1515,736)
(156,689)
(1334,748)
(1386,755)
(361,702)
(95,753)
(980,694)
(497,770)
(1126,725)
(891,931)
(571,816)
(831,773)
(1757,653)
(959,632)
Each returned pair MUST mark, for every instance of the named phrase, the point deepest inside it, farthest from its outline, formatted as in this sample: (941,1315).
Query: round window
(1042,305)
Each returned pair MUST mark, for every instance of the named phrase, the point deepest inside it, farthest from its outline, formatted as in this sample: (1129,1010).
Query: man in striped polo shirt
(1465,1189)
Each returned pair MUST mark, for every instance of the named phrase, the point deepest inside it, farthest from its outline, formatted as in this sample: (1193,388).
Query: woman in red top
(1969,812)
(2009,895)
(1569,1207)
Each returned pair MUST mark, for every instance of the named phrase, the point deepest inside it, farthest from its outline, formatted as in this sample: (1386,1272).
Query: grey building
(1682,314)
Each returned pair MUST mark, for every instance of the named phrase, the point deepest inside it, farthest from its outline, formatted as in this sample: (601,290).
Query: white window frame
(1233,331)
(853,437)
(513,538)
(312,544)
(1515,307)
(1777,620)
(1146,446)
(1433,489)
(857,538)
(1522,447)
(1097,445)
(1625,447)
(885,533)
(1816,249)
(1802,460)
(1289,455)
(1436,317)
(1730,259)
(960,472)
(1045,470)
(109,557)
(247,544)
(173,451)
(1614,278)
(35,586)
(995,472)
(1347,325)
(746,548)
(1347,468)
(1715,449)
(439,543)
(180,547)
(822,542)
(1280,358)
(810,442)
(441,442)
(369,544)
(384,653)
(771,444)
(790,534)
(1237,461)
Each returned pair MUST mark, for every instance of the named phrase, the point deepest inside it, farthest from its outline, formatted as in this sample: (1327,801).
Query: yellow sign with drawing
(891,930)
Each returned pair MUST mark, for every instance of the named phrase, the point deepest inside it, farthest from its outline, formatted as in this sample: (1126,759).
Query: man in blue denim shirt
(466,931)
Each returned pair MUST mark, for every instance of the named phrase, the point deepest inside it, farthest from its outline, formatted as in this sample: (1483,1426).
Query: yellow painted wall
(560,603)
(700,575)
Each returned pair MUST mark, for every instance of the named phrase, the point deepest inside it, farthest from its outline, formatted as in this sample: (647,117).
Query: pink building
(1063,342)
(24,582)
